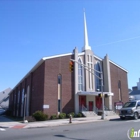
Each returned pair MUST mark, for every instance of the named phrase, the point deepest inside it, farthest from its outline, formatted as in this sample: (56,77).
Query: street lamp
(102,95)
(103,114)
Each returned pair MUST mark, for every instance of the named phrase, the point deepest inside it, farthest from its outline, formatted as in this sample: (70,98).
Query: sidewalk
(7,123)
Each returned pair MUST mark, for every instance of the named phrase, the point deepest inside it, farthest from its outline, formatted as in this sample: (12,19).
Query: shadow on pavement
(63,136)
(5,119)
(118,119)
(4,127)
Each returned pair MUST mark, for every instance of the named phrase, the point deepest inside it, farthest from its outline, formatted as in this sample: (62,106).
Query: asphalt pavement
(8,123)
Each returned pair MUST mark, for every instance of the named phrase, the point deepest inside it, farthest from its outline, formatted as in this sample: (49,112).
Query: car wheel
(122,118)
(136,116)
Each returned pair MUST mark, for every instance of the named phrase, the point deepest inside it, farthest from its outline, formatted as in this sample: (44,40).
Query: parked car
(2,111)
(130,109)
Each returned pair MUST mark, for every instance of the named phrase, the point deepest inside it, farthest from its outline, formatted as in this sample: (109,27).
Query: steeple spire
(86,45)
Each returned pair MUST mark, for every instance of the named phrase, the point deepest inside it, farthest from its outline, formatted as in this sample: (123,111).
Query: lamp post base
(25,121)
(103,117)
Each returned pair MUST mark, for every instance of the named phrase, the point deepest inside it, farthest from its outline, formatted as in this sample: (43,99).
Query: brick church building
(50,87)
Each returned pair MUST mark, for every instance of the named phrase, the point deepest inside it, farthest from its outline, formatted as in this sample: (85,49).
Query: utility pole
(103,114)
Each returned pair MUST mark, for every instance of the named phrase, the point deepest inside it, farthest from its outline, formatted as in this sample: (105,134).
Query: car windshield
(129,104)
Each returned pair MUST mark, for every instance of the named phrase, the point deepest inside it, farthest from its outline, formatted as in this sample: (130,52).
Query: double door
(99,102)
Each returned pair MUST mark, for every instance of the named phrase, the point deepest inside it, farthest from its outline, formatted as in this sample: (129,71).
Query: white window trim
(83,83)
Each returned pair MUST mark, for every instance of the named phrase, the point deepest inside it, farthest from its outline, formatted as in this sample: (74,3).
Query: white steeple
(86,45)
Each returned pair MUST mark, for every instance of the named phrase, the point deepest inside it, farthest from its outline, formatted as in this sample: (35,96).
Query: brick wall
(37,89)
(43,85)
(116,75)
(53,67)
(35,81)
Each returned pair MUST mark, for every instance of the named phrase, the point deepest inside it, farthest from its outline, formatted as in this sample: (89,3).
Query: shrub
(62,115)
(72,113)
(40,116)
(79,114)
(54,117)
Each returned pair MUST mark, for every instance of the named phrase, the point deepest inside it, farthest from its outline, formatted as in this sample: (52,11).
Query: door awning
(94,93)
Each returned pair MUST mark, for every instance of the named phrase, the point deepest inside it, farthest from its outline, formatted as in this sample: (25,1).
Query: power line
(118,41)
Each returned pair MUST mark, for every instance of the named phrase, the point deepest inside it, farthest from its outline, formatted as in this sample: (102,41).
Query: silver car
(130,109)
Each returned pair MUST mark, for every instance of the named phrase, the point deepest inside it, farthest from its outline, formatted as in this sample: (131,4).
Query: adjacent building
(50,87)
(135,93)
(4,98)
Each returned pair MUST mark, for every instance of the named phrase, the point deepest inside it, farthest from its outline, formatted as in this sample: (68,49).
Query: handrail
(96,109)
(84,108)
(105,108)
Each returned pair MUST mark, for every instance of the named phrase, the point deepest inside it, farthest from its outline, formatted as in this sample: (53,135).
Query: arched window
(97,67)
(18,96)
(120,92)
(18,100)
(80,76)
(59,78)
(22,103)
(28,101)
(14,104)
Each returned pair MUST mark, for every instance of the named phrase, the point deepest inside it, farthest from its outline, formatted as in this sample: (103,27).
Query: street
(108,130)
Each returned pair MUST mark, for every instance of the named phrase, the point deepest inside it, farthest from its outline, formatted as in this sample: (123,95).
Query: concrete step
(110,113)
(89,113)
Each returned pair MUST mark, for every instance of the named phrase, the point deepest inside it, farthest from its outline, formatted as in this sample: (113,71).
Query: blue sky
(32,29)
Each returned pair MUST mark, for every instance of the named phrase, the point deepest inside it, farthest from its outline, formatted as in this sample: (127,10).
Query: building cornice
(38,64)
(118,66)
(61,55)
(82,53)
(55,56)
(97,57)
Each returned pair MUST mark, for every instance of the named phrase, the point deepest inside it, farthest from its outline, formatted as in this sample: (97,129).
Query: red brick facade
(43,83)
(37,89)
(117,75)
(54,67)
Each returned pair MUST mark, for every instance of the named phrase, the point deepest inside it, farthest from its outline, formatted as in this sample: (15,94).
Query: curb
(54,123)
(64,123)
